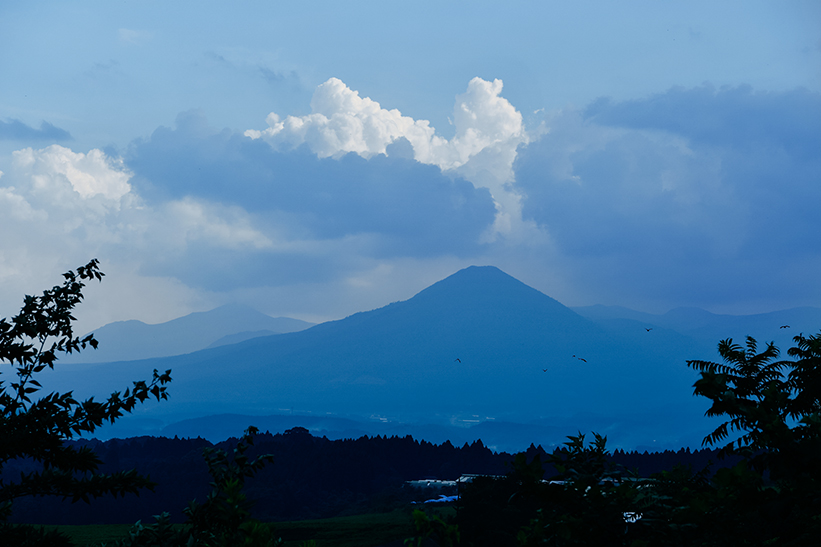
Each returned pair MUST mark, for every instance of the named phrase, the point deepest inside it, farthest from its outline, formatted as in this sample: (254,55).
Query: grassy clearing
(371,530)
(93,534)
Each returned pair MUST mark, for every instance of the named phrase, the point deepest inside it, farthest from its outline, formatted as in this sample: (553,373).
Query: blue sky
(315,159)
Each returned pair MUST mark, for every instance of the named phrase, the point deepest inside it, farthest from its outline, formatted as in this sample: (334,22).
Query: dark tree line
(311,477)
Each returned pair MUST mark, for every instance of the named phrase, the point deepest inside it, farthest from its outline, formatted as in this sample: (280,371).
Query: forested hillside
(310,477)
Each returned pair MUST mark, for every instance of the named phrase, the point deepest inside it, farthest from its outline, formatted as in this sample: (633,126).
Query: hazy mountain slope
(240,337)
(132,340)
(708,328)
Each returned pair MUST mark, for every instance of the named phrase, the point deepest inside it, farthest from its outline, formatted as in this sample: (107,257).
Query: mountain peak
(484,273)
(483,283)
(475,277)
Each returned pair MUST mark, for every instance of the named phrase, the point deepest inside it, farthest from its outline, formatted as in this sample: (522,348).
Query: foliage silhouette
(588,483)
(770,496)
(434,528)
(224,518)
(777,415)
(36,429)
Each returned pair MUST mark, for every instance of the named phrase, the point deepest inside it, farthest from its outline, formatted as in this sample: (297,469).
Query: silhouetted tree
(771,496)
(223,519)
(775,408)
(35,428)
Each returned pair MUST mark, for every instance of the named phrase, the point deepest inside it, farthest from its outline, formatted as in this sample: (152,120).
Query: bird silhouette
(784,327)
(457,360)
(580,359)
(544,370)
(648,330)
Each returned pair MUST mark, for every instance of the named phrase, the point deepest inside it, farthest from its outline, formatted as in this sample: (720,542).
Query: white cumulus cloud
(488,131)
(341,122)
(56,169)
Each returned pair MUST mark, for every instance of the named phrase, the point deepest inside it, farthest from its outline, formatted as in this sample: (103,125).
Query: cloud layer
(701,196)
(488,132)
(403,207)
(710,195)
(15,130)
(217,211)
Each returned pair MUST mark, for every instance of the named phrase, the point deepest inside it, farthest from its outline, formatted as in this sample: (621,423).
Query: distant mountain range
(478,354)
(709,328)
(229,324)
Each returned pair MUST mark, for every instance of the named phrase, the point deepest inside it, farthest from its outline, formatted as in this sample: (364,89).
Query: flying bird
(544,370)
(784,327)
(648,330)
(457,360)
(580,359)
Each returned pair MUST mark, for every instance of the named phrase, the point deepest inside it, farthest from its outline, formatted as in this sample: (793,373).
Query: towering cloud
(341,121)
(488,131)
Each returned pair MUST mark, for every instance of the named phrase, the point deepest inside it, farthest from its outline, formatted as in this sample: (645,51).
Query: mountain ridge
(133,340)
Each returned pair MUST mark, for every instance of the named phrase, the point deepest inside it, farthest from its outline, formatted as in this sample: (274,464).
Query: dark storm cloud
(704,194)
(411,209)
(736,117)
(18,131)
(204,266)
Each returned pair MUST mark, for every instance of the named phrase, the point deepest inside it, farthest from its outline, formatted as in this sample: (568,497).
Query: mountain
(240,337)
(476,346)
(708,328)
(130,340)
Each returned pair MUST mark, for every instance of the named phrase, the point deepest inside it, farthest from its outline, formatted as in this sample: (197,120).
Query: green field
(371,530)
(94,533)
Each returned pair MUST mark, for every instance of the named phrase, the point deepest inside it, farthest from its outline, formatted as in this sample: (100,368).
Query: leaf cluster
(773,406)
(591,501)
(33,427)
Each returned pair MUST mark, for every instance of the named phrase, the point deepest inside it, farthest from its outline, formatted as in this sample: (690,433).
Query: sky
(317,159)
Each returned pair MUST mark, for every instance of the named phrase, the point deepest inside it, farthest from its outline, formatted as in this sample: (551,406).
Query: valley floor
(369,530)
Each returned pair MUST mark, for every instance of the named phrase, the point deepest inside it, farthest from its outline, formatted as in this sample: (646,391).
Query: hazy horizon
(574,308)
(478,348)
